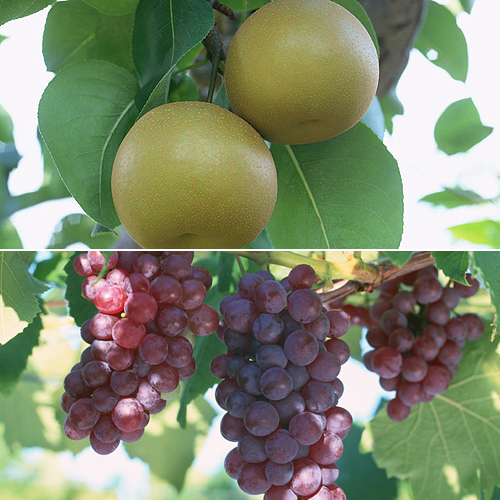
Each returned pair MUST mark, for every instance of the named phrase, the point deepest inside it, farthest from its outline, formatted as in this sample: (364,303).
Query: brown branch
(223,9)
(386,272)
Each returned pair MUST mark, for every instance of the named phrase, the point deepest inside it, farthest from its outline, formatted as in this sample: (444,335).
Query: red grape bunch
(141,342)
(418,338)
(280,387)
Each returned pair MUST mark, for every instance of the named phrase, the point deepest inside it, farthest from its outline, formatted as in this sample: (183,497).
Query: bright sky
(425,91)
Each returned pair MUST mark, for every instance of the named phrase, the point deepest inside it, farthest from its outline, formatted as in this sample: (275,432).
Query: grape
(73,432)
(253,480)
(319,396)
(232,428)
(100,348)
(379,307)
(368,360)
(236,342)
(166,290)
(83,414)
(404,302)
(451,298)
(304,305)
(280,493)
(302,276)
(275,384)
(237,403)
(104,399)
(320,327)
(329,474)
(126,259)
(117,277)
(268,329)
(158,407)
(270,297)
(193,294)
(86,332)
(98,260)
(105,430)
(147,265)
(306,427)
(101,326)
(325,367)
(290,406)
(301,347)
(201,274)
(268,356)
(140,366)
(66,402)
(474,326)
(90,286)
(456,330)
(247,285)
(299,374)
(327,450)
(306,478)
(290,324)
(178,267)
(437,333)
(438,312)
(163,377)
(279,474)
(281,447)
(147,395)
(437,380)
(376,337)
(240,315)
(172,321)
(224,389)
(338,492)
(391,384)
(119,358)
(261,418)
(128,414)
(96,373)
(86,356)
(450,353)
(235,364)
(410,393)
(233,463)
(392,320)
(467,291)
(251,448)
(128,333)
(338,387)
(397,410)
(135,283)
(226,301)
(338,421)
(249,379)
(387,362)
(203,320)
(339,348)
(110,299)
(75,386)
(180,352)
(218,366)
(131,437)
(124,382)
(426,347)
(401,339)
(141,307)
(414,368)
(153,349)
(427,289)
(82,265)
(103,448)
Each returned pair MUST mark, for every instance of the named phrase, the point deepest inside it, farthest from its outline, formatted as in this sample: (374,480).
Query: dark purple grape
(474,325)
(240,315)
(404,302)
(304,305)
(166,290)
(327,450)
(279,474)
(253,480)
(193,294)
(427,289)
(128,414)
(387,362)
(249,379)
(261,418)
(319,396)
(325,367)
(268,329)
(281,447)
(124,382)
(414,368)
(105,430)
(339,348)
(397,410)
(301,347)
(238,343)
(237,403)
(232,428)
(268,356)
(83,414)
(235,364)
(393,319)
(163,377)
(172,321)
(302,276)
(338,421)
(306,427)
(233,463)
(251,448)
(203,320)
(275,383)
(247,285)
(306,478)
(270,297)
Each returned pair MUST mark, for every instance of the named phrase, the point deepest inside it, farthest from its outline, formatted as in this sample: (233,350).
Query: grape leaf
(51,269)
(261,241)
(459,128)
(165,30)
(9,235)
(448,448)
(221,97)
(488,264)
(169,451)
(467,5)
(441,36)
(10,10)
(6,127)
(485,232)
(114,7)
(399,258)
(454,197)
(453,264)
(251,4)
(18,295)
(391,106)
(84,113)
(344,192)
(15,353)
(74,31)
(79,307)
(225,272)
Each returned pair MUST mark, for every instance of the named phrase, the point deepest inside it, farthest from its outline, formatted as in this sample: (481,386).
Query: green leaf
(360,477)
(221,97)
(454,197)
(6,127)
(76,32)
(9,236)
(15,353)
(164,31)
(168,450)
(374,119)
(84,113)
(357,10)
(10,10)
(79,307)
(114,7)
(459,128)
(205,350)
(225,272)
(467,5)
(78,228)
(251,4)
(344,192)
(18,295)
(399,258)
(488,264)
(183,88)
(52,269)
(486,232)
(448,448)
(261,242)
(391,106)
(440,34)
(453,264)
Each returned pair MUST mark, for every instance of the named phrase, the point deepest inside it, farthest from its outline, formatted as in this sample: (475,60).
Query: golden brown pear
(193,175)
(301,71)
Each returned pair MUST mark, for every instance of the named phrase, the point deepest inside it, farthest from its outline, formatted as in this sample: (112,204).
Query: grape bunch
(418,339)
(141,342)
(280,387)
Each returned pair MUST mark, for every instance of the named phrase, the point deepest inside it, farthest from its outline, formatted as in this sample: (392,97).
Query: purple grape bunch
(418,338)
(151,308)
(280,387)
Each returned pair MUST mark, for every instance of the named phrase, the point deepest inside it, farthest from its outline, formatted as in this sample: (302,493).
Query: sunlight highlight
(451,474)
